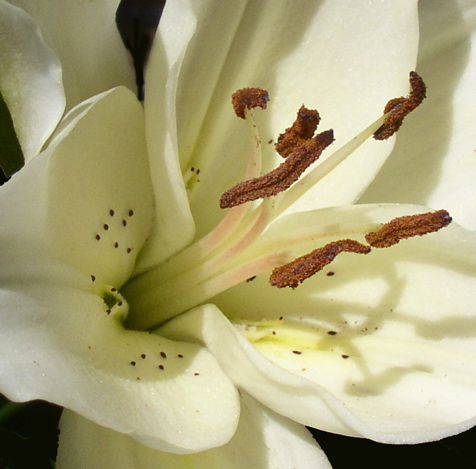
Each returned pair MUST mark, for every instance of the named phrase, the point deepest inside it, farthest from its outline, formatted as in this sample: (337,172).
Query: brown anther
(302,129)
(294,273)
(399,108)
(249,98)
(407,227)
(282,177)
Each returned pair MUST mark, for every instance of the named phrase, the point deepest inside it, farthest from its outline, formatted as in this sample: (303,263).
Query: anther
(407,227)
(302,130)
(281,178)
(249,98)
(304,267)
(399,108)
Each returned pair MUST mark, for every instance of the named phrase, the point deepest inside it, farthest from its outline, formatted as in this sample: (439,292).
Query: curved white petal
(171,234)
(89,200)
(75,218)
(30,79)
(60,344)
(263,440)
(347,59)
(84,37)
(384,348)
(434,160)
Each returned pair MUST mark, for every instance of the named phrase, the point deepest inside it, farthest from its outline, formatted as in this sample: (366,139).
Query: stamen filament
(203,248)
(229,239)
(255,159)
(325,167)
(166,300)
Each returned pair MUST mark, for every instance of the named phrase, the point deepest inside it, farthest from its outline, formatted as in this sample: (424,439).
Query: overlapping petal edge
(263,439)
(443,324)
(377,349)
(60,342)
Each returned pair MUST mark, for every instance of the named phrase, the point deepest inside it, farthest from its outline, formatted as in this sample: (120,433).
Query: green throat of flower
(234,251)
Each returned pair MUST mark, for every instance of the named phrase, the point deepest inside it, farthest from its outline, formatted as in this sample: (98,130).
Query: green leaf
(11,156)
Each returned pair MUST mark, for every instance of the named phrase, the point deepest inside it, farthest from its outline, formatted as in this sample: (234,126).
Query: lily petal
(379,349)
(30,79)
(89,198)
(84,37)
(330,56)
(62,339)
(263,440)
(434,155)
(172,233)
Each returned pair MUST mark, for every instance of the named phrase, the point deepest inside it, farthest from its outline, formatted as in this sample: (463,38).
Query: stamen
(294,273)
(408,226)
(282,177)
(399,108)
(302,130)
(249,98)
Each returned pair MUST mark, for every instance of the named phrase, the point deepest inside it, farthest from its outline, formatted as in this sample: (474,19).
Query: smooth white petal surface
(84,37)
(263,440)
(385,348)
(434,160)
(30,79)
(77,216)
(347,59)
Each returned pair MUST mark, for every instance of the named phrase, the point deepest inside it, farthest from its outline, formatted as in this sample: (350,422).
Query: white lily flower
(98,232)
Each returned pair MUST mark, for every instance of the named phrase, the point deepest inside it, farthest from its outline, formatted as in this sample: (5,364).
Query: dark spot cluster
(160,366)
(110,226)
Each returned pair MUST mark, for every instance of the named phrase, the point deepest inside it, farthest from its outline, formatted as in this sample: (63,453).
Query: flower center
(236,250)
(114,302)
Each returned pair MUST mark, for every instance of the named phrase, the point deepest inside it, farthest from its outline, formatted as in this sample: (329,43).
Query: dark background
(32,434)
